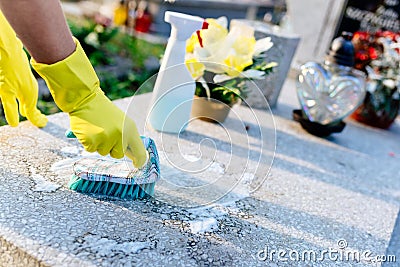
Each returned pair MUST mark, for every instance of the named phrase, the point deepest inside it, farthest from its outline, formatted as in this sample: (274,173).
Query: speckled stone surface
(321,194)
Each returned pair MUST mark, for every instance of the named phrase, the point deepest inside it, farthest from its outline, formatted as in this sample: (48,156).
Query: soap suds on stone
(202,226)
(41,184)
(71,150)
(105,247)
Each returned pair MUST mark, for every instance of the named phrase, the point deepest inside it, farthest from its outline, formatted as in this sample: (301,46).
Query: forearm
(41,26)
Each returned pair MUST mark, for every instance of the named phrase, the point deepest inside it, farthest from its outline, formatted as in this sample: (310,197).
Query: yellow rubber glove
(94,119)
(16,79)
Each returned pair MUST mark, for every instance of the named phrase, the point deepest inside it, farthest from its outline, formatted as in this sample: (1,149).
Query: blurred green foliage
(93,38)
(102,46)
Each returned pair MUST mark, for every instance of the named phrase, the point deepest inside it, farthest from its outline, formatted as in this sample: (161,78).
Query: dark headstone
(370,16)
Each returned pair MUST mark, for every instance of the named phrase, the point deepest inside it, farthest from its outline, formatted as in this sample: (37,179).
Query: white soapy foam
(204,225)
(132,247)
(191,158)
(248,178)
(71,150)
(209,211)
(217,167)
(63,164)
(105,247)
(207,216)
(41,184)
(64,167)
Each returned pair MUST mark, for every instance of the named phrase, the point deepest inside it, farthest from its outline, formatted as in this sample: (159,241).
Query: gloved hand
(16,79)
(94,119)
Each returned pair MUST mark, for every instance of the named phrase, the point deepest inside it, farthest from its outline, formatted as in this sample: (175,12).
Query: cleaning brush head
(113,178)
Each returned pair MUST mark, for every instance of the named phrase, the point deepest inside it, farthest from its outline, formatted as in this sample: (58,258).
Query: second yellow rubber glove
(95,120)
(16,79)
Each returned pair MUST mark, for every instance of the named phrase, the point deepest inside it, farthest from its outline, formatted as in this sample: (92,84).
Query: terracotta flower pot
(209,109)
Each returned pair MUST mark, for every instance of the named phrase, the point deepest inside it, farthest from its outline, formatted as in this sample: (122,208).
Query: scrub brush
(113,178)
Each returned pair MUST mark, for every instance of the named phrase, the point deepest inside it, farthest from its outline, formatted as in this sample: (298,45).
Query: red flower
(373,54)
(362,36)
(361,56)
(391,35)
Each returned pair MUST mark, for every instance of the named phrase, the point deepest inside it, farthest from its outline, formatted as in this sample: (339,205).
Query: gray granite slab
(321,194)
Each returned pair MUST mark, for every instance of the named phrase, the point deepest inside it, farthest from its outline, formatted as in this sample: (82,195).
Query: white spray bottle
(174,87)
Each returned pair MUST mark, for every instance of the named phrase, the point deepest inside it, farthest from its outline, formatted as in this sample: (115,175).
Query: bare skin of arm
(41,26)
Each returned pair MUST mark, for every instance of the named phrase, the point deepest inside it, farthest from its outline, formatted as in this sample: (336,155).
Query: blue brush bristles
(132,191)
(112,178)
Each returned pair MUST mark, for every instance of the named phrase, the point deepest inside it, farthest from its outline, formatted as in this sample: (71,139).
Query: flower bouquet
(378,56)
(222,60)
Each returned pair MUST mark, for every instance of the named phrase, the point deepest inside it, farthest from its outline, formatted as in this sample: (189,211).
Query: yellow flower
(240,56)
(195,67)
(225,53)
(244,45)
(237,63)
(215,33)
(191,43)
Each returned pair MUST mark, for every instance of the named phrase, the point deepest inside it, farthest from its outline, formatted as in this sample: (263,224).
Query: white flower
(389,83)
(247,74)
(262,45)
(92,39)
(227,52)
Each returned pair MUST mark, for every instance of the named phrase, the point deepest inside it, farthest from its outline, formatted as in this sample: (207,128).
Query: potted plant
(222,61)
(378,56)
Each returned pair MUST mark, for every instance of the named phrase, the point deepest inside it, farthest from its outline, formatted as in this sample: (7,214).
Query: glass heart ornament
(328,93)
(331,91)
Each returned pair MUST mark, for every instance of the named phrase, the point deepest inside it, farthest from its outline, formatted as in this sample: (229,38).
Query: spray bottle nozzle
(183,25)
